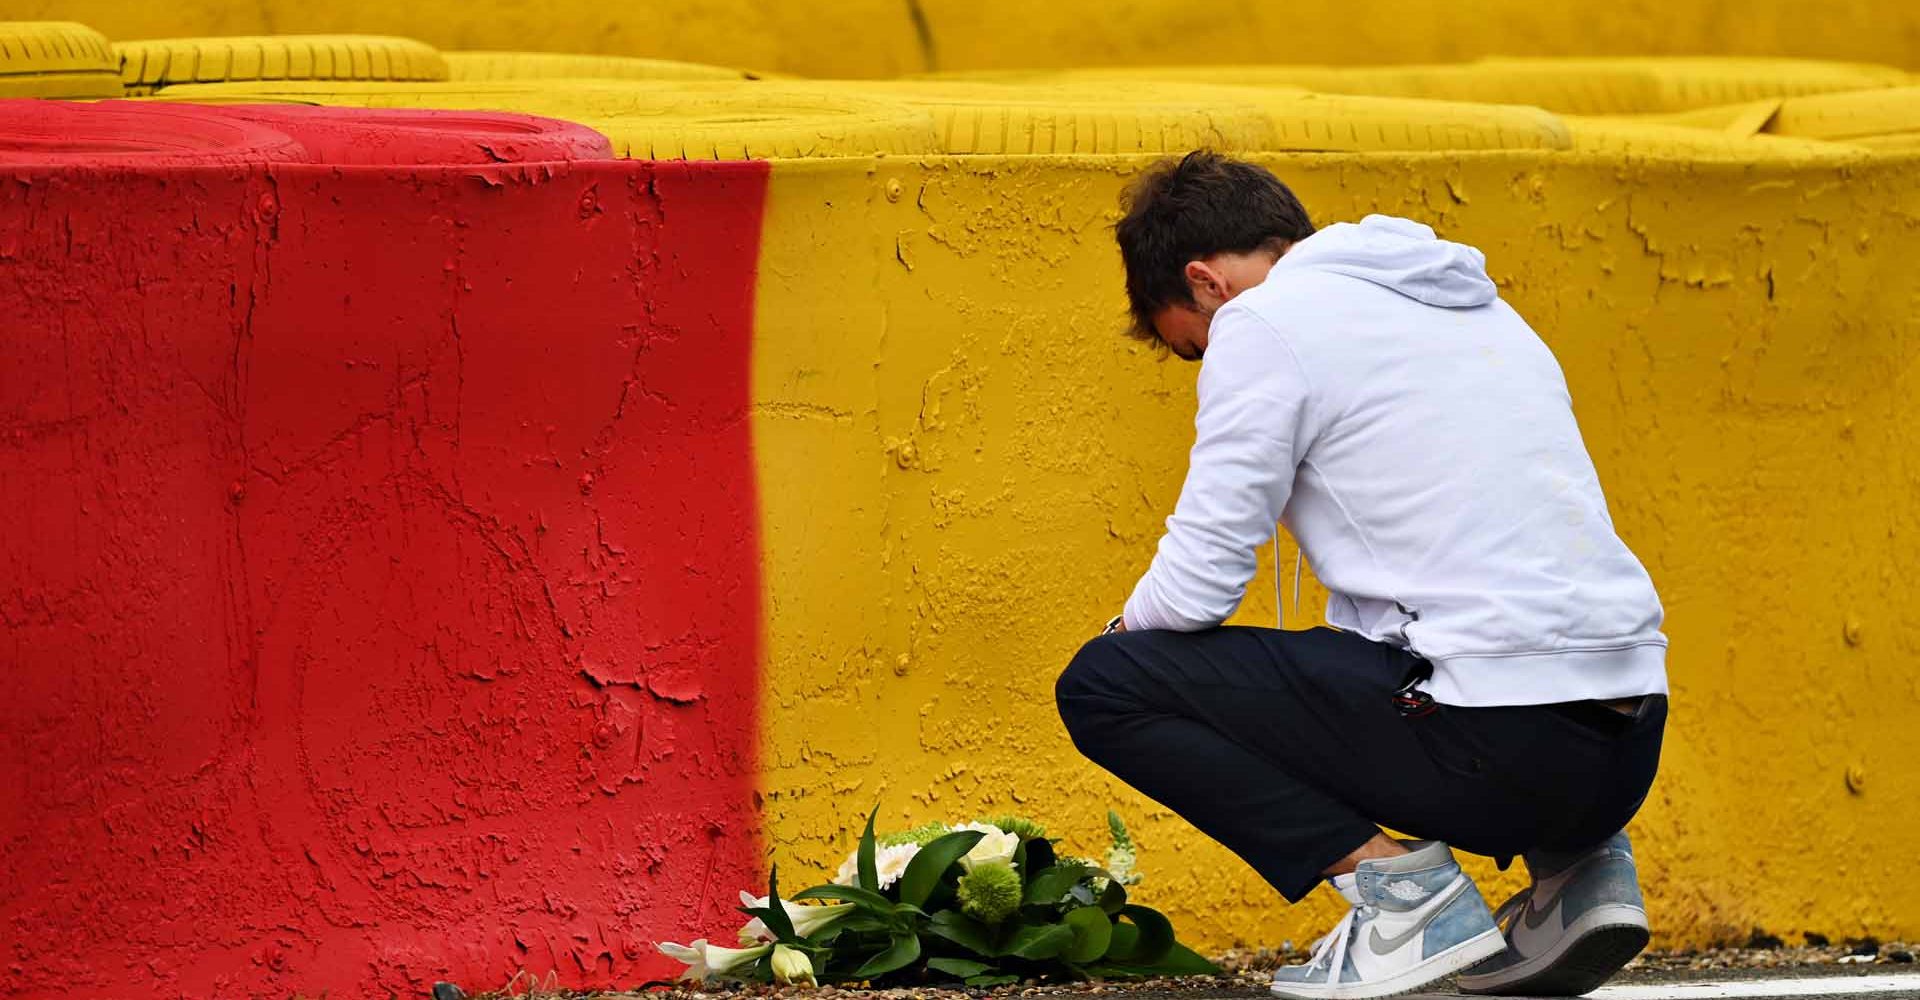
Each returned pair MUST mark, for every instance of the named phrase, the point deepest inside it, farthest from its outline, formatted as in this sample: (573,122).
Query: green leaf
(776,917)
(863,923)
(959,968)
(1113,899)
(1039,942)
(1180,961)
(867,899)
(904,951)
(1155,936)
(1092,933)
(1052,885)
(821,939)
(1040,855)
(991,980)
(1126,938)
(869,875)
(964,931)
(1184,961)
(926,868)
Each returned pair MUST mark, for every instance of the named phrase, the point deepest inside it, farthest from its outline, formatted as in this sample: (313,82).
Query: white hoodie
(1417,438)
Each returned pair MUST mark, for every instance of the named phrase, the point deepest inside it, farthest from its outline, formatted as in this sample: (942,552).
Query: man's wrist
(1118,623)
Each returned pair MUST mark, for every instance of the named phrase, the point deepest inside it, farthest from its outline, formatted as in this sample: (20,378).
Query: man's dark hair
(1190,209)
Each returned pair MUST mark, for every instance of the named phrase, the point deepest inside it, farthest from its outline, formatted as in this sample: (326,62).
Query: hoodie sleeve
(1249,436)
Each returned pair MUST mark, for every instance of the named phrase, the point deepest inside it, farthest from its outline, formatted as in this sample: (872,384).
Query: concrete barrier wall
(966,467)
(432,572)
(381,578)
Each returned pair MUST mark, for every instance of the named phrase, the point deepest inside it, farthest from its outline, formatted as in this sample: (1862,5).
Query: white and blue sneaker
(1415,919)
(1580,921)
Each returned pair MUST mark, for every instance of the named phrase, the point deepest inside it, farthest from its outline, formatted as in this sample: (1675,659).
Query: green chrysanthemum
(919,836)
(990,893)
(1019,826)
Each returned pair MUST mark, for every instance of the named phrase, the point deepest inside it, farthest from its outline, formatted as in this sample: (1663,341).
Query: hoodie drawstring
(1279,601)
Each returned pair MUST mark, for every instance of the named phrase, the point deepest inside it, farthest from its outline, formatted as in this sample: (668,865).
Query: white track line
(1817,986)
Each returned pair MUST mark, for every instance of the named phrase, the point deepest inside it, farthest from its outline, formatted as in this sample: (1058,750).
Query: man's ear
(1208,286)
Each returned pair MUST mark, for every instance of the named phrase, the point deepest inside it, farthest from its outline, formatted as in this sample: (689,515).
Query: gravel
(1246,974)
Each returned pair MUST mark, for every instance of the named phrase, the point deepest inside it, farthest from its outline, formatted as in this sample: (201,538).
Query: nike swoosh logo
(1534,917)
(1381,945)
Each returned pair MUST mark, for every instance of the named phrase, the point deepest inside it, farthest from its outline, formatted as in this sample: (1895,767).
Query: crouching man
(1496,682)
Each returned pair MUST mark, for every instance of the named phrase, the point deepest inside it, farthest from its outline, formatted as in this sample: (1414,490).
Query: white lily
(807,920)
(791,965)
(706,961)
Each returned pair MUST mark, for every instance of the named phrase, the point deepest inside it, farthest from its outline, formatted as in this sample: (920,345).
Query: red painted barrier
(129,133)
(386,136)
(380,584)
(126,134)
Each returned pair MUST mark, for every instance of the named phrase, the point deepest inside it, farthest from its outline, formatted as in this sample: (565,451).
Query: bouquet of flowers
(983,903)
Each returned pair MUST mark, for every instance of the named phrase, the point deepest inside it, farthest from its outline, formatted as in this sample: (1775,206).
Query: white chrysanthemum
(996,847)
(888,862)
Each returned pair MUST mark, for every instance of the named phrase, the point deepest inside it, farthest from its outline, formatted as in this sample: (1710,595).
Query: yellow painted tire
(1748,119)
(56,59)
(979,118)
(643,120)
(1128,116)
(1668,84)
(463,66)
(166,62)
(1618,137)
(1642,85)
(1342,123)
(1859,115)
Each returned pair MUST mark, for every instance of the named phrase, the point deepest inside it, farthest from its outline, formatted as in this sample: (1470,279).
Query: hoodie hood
(1399,254)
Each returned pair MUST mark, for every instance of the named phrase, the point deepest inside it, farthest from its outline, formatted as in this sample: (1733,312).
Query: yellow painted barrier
(1630,137)
(881,38)
(966,466)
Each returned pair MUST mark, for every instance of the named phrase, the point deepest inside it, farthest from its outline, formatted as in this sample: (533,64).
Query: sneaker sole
(1464,955)
(1598,945)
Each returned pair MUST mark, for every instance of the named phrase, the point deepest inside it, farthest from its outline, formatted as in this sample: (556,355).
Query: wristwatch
(1114,623)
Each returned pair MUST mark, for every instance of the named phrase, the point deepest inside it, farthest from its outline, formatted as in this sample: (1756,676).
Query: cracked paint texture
(973,467)
(380,588)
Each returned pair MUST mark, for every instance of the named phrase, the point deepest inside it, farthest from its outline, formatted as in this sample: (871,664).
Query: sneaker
(1571,930)
(1415,919)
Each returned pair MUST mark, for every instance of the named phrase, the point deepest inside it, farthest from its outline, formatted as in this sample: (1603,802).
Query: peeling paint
(996,477)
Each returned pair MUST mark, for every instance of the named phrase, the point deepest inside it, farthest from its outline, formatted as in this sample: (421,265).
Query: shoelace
(1332,949)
